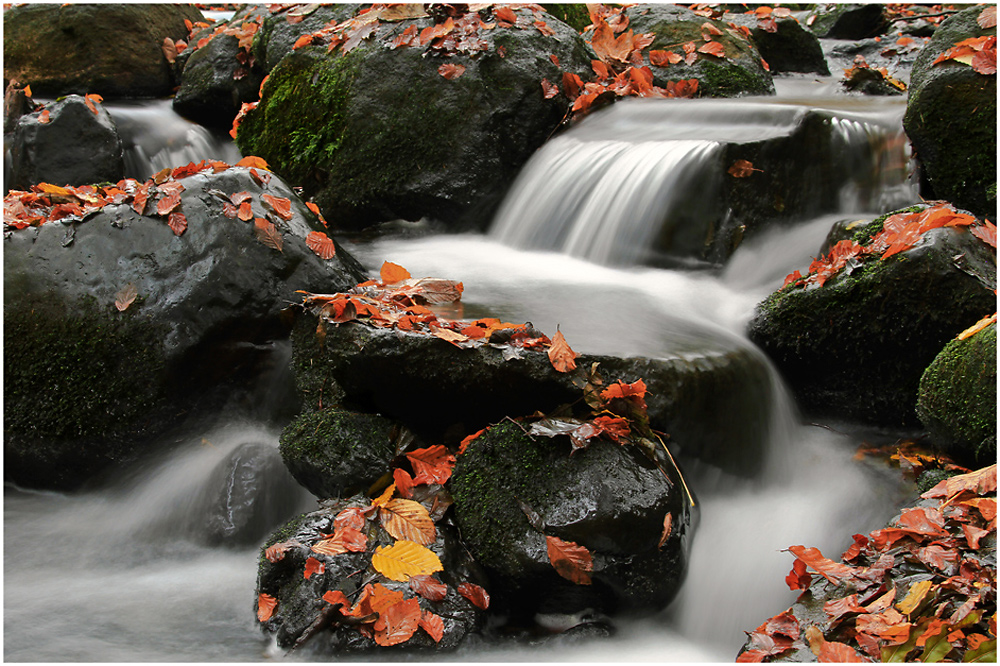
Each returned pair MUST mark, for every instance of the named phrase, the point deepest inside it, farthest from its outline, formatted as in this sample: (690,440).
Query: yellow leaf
(978,326)
(409,520)
(385,496)
(916,595)
(404,559)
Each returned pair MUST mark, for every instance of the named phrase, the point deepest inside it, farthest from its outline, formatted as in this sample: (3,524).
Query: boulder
(336,453)
(946,120)
(783,43)
(847,21)
(113,50)
(93,381)
(280,28)
(738,73)
(856,347)
(957,401)
(73,146)
(375,133)
(302,619)
(512,491)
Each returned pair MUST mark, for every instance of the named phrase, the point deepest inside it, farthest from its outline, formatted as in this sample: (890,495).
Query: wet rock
(609,498)
(75,146)
(739,73)
(93,382)
(278,32)
(944,120)
(303,620)
(957,401)
(847,21)
(789,47)
(336,453)
(110,49)
(856,347)
(378,133)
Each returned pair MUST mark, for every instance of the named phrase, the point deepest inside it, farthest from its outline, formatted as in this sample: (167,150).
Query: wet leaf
(321,244)
(664,58)
(504,15)
(549,90)
(168,203)
(986,232)
(571,561)
(313,566)
(266,605)
(432,464)
(433,624)
(404,559)
(393,273)
(563,358)
(741,169)
(468,440)
(252,161)
(798,578)
(403,482)
(987,18)
(43,117)
(985,62)
(979,482)
(337,598)
(409,520)
(714,49)
(398,623)
(385,496)
(914,597)
(475,594)
(429,587)
(834,572)
(268,234)
(985,652)
(544,28)
(281,206)
(276,552)
(667,529)
(92,99)
(125,297)
(177,222)
(838,653)
(451,71)
(345,540)
(245,211)
(304,40)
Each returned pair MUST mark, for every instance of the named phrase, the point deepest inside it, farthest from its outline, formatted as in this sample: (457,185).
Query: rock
(608,498)
(437,389)
(302,618)
(739,73)
(93,383)
(277,34)
(868,81)
(378,133)
(856,347)
(110,49)
(947,102)
(74,147)
(847,21)
(788,47)
(336,453)
(16,103)
(957,401)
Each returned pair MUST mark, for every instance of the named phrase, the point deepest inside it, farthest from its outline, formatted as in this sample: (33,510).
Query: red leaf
(555,59)
(451,71)
(321,244)
(938,557)
(988,18)
(475,594)
(833,652)
(741,169)
(353,518)
(834,572)
(549,90)
(268,234)
(89,100)
(304,40)
(433,625)
(985,232)
(336,597)
(432,464)
(168,203)
(837,608)
(571,85)
(266,604)
(397,623)
(563,358)
(346,540)
(544,28)
(614,427)
(798,578)
(276,552)
(664,58)
(313,566)
(281,206)
(429,587)
(985,62)
(505,15)
(634,393)
(404,482)
(767,24)
(468,440)
(177,222)
(393,273)
(571,561)
(713,48)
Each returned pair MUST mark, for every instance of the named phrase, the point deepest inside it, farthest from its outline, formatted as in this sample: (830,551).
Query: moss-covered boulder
(282,25)
(847,21)
(957,402)
(512,491)
(375,133)
(73,146)
(110,49)
(856,346)
(786,45)
(738,72)
(951,120)
(336,453)
(304,621)
(93,383)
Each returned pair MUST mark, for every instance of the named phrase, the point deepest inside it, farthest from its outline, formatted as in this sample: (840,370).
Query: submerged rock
(109,49)
(949,119)
(957,401)
(68,145)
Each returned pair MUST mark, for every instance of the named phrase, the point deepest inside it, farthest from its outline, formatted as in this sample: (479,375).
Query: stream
(126,571)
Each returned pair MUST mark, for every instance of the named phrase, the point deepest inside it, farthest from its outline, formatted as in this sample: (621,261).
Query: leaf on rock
(667,529)
(741,169)
(177,222)
(798,578)
(336,597)
(125,297)
(409,520)
(714,49)
(475,594)
(90,100)
(838,653)
(304,40)
(468,440)
(281,206)
(276,552)
(664,58)
(979,482)
(346,540)
(433,624)
(404,559)
(571,561)
(266,605)
(168,203)
(429,587)
(504,15)
(987,18)
(432,464)
(549,90)
(451,71)
(397,623)
(985,232)
(393,273)
(252,161)
(563,358)
(43,117)
(313,566)
(321,244)
(834,572)
(245,211)
(351,517)
(268,234)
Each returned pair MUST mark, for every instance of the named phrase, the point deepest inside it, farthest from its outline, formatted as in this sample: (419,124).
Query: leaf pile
(978,52)
(921,589)
(393,532)
(899,233)
(862,72)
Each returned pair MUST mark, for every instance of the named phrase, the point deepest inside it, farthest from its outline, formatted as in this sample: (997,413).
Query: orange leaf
(988,18)
(313,566)
(346,540)
(544,28)
(614,427)
(266,604)
(398,622)
(321,244)
(798,578)
(978,326)
(741,169)
(432,464)
(43,117)
(336,597)
(834,572)
(451,71)
(979,482)
(406,519)
(403,482)
(549,90)
(125,297)
(276,552)
(393,273)
(168,203)
(433,624)
(245,211)
(667,529)
(634,393)
(385,496)
(352,517)
(404,559)
(268,234)
(429,587)
(985,62)
(664,58)
(281,206)
(475,594)
(253,162)
(833,652)
(713,48)
(304,40)
(504,15)
(571,561)
(89,100)
(468,440)
(563,358)
(177,222)
(986,232)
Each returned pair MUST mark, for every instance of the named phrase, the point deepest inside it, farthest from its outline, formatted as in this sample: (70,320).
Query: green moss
(874,228)
(283,533)
(576,15)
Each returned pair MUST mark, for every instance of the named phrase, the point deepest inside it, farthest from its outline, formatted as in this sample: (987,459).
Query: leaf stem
(678,469)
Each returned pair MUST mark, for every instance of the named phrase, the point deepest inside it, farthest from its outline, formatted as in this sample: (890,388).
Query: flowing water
(130,571)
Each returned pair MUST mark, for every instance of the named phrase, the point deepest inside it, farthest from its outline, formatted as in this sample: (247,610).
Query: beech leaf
(563,358)
(571,561)
(741,169)
(268,234)
(549,90)
(313,566)
(125,297)
(346,540)
(321,244)
(714,49)
(404,559)
(252,161)
(177,222)
(393,273)
(432,464)
(451,71)
(406,519)
(988,18)
(475,594)
(398,622)
(433,624)
(429,587)
(266,605)
(281,206)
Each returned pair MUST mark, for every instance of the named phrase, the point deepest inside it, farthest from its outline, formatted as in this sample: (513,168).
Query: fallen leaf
(433,464)
(433,624)
(985,232)
(398,622)
(276,552)
(393,273)
(549,90)
(570,560)
(125,297)
(451,71)
(667,528)
(177,222)
(313,566)
(834,572)
(345,540)
(987,18)
(304,40)
(741,169)
(266,605)
(429,587)
(664,58)
(168,203)
(475,594)
(281,206)
(798,578)
(563,358)
(409,520)
(914,597)
(268,234)
(90,100)
(321,244)
(43,117)
(714,49)
(404,559)
(252,161)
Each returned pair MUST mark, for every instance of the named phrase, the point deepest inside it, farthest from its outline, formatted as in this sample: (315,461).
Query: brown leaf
(432,464)
(266,604)
(667,529)
(177,222)
(393,273)
(985,62)
(281,206)
(346,540)
(988,18)
(979,482)
(475,594)
(352,517)
(398,622)
(505,16)
(276,552)
(741,169)
(321,244)
(313,566)
(663,58)
(714,49)
(168,203)
(451,71)
(429,587)
(571,561)
(406,519)
(268,234)
(549,90)
(563,358)
(433,624)
(448,335)
(169,50)
(834,572)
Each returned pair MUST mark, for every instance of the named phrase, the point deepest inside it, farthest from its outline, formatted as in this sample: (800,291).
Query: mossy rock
(856,347)
(608,498)
(951,120)
(739,73)
(277,34)
(110,49)
(378,134)
(957,402)
(336,453)
(575,15)
(847,21)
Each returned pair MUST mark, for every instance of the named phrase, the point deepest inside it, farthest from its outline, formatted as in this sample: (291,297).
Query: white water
(119,574)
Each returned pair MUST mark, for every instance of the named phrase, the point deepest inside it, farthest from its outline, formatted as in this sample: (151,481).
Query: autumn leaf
(304,40)
(549,90)
(664,58)
(403,482)
(168,203)
(432,464)
(409,520)
(268,234)
(468,440)
(266,605)
(245,211)
(276,552)
(563,358)
(177,222)
(125,297)
(393,273)
(386,495)
(798,578)
(916,595)
(714,49)
(504,14)
(985,62)
(667,529)
(313,566)
(345,540)
(988,18)
(321,244)
(838,653)
(351,517)
(252,161)
(398,623)
(741,169)
(633,393)
(433,624)
(404,559)
(451,71)
(448,335)
(979,482)
(475,594)
(834,572)
(571,561)
(978,326)
(43,117)
(986,232)
(90,100)
(429,587)
(281,206)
